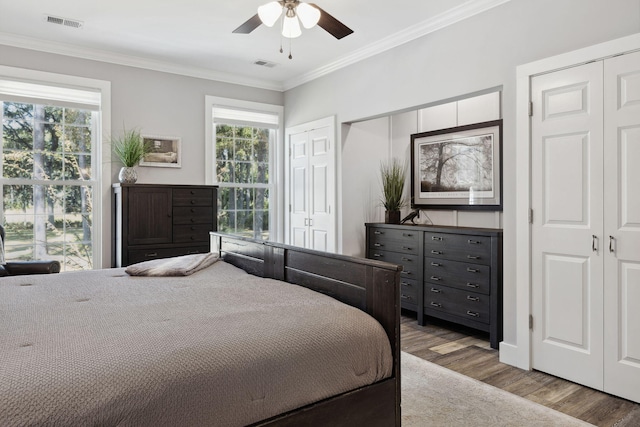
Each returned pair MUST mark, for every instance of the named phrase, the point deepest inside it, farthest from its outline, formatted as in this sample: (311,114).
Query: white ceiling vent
(263,63)
(73,23)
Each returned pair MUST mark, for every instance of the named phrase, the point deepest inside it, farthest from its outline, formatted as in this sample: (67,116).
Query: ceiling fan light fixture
(269,13)
(309,15)
(291,27)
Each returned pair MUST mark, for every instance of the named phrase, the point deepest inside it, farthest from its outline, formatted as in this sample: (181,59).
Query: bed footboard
(369,285)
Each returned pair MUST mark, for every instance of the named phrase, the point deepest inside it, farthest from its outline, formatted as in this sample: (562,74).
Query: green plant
(393,176)
(129,148)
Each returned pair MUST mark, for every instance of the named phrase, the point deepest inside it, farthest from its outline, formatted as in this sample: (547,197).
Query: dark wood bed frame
(371,286)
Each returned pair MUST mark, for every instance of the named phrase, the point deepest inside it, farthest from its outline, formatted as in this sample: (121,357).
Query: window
(48,172)
(242,163)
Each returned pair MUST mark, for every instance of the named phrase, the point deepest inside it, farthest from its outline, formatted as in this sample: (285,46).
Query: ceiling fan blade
(331,25)
(251,24)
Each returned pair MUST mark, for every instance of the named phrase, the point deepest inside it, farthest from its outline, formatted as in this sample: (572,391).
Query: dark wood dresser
(160,221)
(452,273)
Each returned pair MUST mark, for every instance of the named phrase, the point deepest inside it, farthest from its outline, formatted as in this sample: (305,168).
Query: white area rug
(436,396)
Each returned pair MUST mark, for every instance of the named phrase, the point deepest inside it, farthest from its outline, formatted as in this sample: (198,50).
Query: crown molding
(457,14)
(133,61)
(450,17)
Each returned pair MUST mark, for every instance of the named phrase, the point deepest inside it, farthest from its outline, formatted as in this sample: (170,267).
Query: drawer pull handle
(150,254)
(436,304)
(435,278)
(378,232)
(408,273)
(473,242)
(193,192)
(406,284)
(436,238)
(470,298)
(406,259)
(473,285)
(377,255)
(473,257)
(407,235)
(434,290)
(471,313)
(378,245)
(406,248)
(193,210)
(403,296)
(193,202)
(435,264)
(436,252)
(472,270)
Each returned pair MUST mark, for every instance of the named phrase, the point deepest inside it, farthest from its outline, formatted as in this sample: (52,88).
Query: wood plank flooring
(467,351)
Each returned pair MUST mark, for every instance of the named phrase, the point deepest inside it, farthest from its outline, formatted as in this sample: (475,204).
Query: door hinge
(530,109)
(530,216)
(531,322)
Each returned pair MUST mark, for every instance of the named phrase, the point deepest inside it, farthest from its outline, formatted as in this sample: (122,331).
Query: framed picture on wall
(458,168)
(162,151)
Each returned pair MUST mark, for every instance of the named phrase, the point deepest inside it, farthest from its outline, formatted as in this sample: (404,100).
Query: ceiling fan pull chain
(290,56)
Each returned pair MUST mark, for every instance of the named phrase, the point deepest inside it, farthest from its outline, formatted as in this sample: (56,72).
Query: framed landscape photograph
(162,151)
(458,168)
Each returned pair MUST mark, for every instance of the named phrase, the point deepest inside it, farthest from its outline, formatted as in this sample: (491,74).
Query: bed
(160,360)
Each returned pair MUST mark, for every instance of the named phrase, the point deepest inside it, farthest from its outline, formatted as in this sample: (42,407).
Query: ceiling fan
(308,13)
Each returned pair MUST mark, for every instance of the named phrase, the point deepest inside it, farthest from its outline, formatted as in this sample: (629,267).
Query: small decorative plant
(393,178)
(129,148)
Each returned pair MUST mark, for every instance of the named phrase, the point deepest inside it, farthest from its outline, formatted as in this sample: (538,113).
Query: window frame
(101,166)
(276,163)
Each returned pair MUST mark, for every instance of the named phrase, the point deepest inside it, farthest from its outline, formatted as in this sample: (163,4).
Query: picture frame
(458,168)
(162,151)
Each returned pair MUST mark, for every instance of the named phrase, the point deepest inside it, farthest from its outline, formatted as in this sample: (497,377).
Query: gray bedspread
(218,348)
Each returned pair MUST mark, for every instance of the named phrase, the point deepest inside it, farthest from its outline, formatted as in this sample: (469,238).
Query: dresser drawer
(139,255)
(405,241)
(459,247)
(191,233)
(469,305)
(192,197)
(461,275)
(193,215)
(409,294)
(409,263)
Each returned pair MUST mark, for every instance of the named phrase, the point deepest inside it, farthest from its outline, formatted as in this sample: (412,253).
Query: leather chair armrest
(18,268)
(3,271)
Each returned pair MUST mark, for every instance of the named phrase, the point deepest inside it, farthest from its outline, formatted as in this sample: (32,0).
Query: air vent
(73,23)
(263,63)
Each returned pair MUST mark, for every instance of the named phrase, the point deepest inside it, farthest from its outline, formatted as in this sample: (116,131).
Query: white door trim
(519,353)
(329,122)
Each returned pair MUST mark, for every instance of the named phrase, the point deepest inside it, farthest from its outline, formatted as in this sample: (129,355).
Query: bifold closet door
(622,226)
(567,240)
(312,190)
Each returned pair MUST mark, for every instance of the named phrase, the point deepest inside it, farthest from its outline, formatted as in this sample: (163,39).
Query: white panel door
(567,241)
(312,219)
(298,190)
(622,226)
(321,220)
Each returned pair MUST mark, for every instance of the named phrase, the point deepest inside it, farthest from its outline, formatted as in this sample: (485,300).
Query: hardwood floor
(467,351)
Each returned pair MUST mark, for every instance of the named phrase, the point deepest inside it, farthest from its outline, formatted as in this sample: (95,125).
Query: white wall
(479,53)
(157,103)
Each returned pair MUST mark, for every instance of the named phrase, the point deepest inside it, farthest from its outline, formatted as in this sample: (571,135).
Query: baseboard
(509,354)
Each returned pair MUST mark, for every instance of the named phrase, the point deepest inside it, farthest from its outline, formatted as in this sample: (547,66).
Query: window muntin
(242,164)
(48,182)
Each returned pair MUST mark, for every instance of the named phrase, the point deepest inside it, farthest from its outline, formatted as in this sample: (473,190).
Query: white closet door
(299,190)
(622,226)
(567,266)
(321,220)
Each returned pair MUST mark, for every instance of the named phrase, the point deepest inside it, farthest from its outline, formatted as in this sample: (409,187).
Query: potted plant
(129,149)
(393,177)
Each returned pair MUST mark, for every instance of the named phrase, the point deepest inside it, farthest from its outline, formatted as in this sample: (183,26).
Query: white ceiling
(194,37)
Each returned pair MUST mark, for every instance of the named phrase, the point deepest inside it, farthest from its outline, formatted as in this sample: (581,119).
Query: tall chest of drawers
(161,221)
(451,273)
